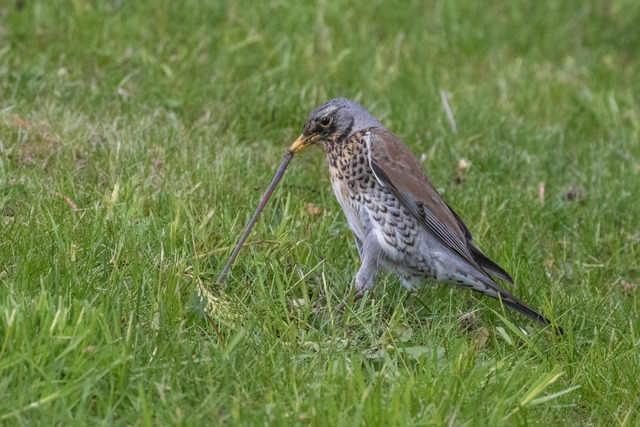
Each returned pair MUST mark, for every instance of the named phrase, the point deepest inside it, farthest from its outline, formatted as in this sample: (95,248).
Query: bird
(399,221)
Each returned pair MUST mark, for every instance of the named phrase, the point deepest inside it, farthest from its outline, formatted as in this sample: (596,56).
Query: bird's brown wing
(396,168)
(485,263)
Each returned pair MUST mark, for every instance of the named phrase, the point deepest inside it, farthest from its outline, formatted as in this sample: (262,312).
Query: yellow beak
(301,143)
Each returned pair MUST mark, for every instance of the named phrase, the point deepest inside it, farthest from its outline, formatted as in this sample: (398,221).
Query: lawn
(136,139)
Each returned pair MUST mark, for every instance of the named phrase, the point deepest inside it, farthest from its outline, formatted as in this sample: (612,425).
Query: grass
(163,122)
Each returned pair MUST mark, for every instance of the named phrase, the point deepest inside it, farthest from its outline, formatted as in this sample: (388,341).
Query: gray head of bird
(333,121)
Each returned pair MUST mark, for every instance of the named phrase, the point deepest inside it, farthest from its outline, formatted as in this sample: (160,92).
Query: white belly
(354,218)
(359,220)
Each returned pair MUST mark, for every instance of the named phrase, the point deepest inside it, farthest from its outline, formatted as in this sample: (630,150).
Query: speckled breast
(373,208)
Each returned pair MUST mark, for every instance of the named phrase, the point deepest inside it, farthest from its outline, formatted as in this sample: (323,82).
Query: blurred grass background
(137,137)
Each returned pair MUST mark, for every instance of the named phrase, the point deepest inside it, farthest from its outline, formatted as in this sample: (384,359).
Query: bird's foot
(354,296)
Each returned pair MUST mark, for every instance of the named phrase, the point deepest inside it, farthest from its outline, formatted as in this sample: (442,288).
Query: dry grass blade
(265,198)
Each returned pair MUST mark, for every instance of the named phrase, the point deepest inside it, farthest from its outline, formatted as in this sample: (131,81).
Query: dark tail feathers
(519,306)
(488,266)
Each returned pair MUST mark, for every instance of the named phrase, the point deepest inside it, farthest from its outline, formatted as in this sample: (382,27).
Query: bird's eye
(325,121)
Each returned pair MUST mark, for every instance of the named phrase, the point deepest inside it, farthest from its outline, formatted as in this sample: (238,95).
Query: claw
(357,295)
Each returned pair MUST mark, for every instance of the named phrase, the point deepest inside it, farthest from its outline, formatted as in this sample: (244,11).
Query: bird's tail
(523,308)
(519,306)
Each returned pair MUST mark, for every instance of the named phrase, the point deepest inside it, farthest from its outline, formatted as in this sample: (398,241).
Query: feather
(396,167)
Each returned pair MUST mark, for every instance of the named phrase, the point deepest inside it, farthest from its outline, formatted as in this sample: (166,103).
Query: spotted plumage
(398,219)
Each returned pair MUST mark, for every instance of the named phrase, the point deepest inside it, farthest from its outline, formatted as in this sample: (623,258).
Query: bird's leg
(358,245)
(370,253)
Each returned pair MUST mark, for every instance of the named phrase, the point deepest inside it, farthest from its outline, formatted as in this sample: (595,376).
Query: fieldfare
(399,221)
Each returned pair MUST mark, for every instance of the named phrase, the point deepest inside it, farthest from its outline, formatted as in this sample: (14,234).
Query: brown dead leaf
(629,288)
(66,199)
(575,194)
(313,210)
(18,122)
(468,320)
(481,337)
(463,164)
(541,193)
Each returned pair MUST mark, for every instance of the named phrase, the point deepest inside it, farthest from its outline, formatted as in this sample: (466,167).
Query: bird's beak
(301,142)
